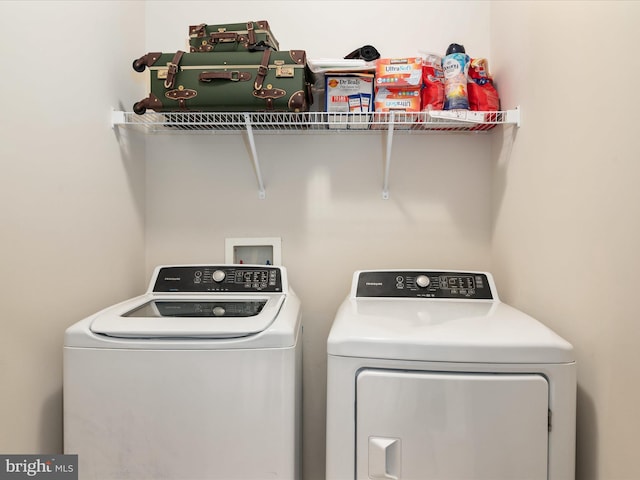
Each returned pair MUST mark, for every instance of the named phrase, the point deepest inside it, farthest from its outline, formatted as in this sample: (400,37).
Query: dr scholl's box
(349,93)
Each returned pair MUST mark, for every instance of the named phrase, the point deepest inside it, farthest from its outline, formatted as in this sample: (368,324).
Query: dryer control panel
(424,284)
(218,278)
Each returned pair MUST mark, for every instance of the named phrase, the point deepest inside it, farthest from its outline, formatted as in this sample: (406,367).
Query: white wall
(71,199)
(566,204)
(324,193)
(553,211)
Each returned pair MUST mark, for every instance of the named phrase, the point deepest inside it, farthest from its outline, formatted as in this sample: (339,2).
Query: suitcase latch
(284,71)
(162,73)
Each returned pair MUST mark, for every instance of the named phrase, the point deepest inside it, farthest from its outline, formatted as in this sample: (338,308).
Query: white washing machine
(430,376)
(199,378)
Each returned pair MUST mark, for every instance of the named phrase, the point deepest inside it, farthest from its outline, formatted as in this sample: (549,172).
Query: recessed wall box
(253,251)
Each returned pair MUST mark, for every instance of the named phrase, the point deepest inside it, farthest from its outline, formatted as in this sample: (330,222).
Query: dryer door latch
(384,458)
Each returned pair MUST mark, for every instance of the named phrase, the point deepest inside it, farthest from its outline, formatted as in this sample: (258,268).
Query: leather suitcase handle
(271,93)
(181,96)
(220,37)
(232,76)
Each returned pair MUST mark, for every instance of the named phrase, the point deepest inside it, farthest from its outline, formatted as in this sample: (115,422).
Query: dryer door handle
(385,455)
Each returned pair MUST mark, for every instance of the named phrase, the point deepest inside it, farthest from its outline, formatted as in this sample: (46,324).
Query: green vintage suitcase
(231,37)
(226,82)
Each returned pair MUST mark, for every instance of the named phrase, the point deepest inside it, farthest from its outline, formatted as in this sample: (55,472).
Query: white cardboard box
(350,97)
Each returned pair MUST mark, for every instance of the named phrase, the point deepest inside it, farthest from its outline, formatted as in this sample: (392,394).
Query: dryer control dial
(218,276)
(422,281)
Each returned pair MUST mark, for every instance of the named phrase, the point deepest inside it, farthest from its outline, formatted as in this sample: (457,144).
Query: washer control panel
(220,278)
(424,284)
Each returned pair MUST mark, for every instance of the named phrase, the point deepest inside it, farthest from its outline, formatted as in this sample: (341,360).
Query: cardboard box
(349,92)
(399,72)
(387,100)
(350,96)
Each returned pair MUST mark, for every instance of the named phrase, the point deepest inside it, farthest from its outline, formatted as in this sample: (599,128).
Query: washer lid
(443,331)
(179,317)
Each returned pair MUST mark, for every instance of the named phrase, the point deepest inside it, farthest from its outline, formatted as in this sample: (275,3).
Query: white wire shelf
(252,123)
(438,121)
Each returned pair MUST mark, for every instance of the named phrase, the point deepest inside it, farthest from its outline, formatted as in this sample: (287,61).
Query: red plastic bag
(432,96)
(482,94)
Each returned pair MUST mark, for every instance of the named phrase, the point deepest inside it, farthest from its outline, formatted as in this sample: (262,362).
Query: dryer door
(451,426)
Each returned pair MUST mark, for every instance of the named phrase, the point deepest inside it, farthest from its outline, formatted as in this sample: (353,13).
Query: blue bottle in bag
(455,66)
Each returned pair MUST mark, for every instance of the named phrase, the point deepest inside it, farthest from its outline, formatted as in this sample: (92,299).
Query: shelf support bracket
(117,118)
(513,116)
(387,163)
(254,156)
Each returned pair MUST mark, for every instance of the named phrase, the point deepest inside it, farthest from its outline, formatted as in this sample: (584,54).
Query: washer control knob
(218,311)
(422,281)
(218,276)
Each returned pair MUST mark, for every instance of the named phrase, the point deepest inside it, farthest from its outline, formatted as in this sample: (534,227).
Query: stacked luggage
(235,67)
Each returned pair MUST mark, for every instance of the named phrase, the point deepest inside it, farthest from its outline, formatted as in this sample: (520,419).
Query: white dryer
(430,376)
(199,378)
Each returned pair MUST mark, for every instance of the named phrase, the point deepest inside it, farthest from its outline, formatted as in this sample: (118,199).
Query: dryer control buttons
(218,276)
(424,284)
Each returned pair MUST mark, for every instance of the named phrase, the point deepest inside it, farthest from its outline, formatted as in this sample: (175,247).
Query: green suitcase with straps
(231,37)
(241,81)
